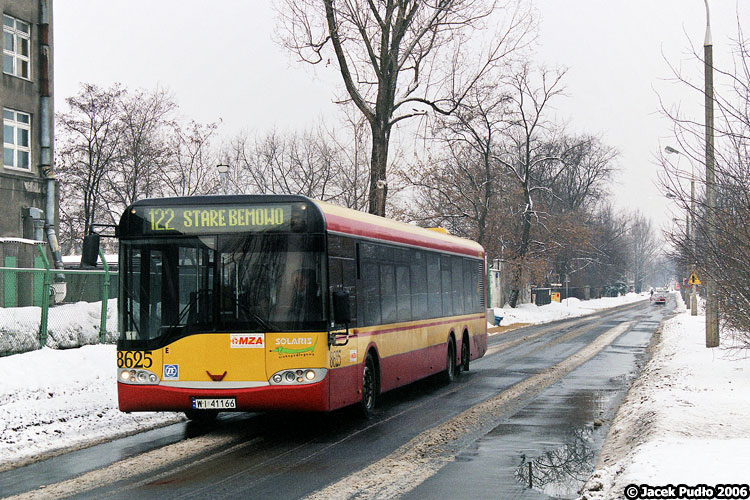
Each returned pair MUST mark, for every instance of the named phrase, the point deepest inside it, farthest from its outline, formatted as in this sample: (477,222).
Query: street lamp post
(712,311)
(223,171)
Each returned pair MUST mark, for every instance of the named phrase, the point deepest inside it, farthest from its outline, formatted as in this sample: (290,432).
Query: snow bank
(52,399)
(19,329)
(685,420)
(68,326)
(568,308)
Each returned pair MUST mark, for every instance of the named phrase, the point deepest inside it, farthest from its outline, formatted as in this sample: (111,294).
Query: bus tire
(369,388)
(449,375)
(465,355)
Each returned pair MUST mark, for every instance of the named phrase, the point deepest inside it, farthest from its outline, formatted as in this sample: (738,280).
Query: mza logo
(171,372)
(243,340)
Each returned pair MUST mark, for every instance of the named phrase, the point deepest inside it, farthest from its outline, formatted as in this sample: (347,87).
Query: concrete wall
(500,283)
(20,189)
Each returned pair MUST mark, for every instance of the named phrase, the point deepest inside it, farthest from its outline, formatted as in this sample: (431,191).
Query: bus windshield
(251,282)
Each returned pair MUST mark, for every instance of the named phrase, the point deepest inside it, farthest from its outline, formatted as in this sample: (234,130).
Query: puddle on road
(554,442)
(560,472)
(571,431)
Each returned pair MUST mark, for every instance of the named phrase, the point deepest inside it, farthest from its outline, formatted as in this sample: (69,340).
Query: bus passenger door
(344,360)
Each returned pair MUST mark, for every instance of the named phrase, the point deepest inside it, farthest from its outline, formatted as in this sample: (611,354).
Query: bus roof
(353,222)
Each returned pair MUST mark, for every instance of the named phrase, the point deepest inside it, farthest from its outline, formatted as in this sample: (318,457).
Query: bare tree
(192,161)
(398,58)
(460,186)
(528,157)
(716,240)
(146,118)
(352,143)
(583,183)
(115,147)
(610,250)
(643,248)
(89,137)
(573,196)
(313,163)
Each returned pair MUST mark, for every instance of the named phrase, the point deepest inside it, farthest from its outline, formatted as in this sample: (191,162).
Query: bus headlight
(298,376)
(130,376)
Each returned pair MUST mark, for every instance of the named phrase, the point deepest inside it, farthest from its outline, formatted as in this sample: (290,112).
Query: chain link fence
(56,308)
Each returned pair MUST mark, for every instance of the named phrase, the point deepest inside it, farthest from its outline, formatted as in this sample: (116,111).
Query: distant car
(659,298)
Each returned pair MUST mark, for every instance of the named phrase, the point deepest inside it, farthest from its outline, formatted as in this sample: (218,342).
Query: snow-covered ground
(52,400)
(568,308)
(685,420)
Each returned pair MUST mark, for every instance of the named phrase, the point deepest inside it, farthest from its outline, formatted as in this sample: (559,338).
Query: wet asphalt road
(559,431)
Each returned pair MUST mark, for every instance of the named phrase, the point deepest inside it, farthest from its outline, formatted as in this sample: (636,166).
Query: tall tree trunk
(522,251)
(378,161)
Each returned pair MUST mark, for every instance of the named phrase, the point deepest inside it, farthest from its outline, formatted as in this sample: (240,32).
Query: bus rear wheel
(465,354)
(449,374)
(369,388)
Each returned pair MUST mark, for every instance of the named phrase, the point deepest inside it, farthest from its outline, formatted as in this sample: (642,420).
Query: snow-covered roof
(22,240)
(76,259)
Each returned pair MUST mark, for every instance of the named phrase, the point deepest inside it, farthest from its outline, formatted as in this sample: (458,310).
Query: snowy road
(417,431)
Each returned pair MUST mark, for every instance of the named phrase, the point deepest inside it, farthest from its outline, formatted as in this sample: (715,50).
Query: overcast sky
(220,62)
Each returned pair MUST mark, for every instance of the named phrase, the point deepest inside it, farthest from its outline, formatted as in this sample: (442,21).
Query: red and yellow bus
(249,302)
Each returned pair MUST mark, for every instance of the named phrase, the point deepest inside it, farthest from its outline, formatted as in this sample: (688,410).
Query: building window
(16,139)
(16,47)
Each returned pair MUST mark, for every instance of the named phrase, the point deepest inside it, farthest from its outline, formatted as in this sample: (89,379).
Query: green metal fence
(56,308)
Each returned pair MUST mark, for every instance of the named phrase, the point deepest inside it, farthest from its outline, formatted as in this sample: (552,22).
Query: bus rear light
(310,375)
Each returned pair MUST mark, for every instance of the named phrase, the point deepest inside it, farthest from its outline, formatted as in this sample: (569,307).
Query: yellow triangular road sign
(694,280)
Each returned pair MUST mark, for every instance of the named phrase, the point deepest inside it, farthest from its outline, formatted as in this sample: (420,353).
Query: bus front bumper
(308,397)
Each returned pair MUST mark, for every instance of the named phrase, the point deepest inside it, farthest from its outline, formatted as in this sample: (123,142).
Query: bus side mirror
(341,310)
(90,251)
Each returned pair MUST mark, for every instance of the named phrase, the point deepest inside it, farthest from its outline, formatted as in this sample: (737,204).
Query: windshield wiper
(128,304)
(177,325)
(246,313)
(263,323)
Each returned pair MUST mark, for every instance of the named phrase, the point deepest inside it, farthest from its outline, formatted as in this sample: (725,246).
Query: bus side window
(342,270)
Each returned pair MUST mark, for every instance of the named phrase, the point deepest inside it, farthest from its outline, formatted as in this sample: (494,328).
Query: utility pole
(712,309)
(693,234)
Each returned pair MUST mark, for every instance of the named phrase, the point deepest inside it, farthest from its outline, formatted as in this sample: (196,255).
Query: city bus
(281,302)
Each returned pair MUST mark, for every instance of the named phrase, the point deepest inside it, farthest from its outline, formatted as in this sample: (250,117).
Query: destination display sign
(215,219)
